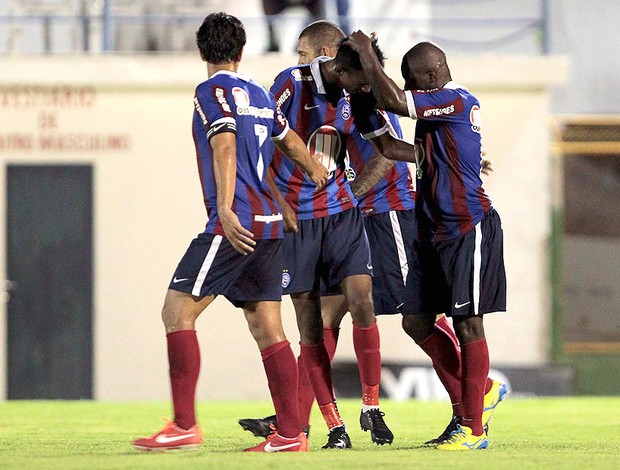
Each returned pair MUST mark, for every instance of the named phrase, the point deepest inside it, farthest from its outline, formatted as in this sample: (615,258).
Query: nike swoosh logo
(308,108)
(473,446)
(272,448)
(175,280)
(458,305)
(165,440)
(369,266)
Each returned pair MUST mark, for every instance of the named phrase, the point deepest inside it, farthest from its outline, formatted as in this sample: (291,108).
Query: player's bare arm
(294,148)
(396,149)
(389,96)
(225,170)
(375,169)
(289,217)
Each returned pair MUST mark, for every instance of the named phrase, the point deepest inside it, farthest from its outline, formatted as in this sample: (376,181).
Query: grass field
(545,433)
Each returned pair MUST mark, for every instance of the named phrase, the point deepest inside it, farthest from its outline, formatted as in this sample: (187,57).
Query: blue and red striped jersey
(325,127)
(395,191)
(230,102)
(450,200)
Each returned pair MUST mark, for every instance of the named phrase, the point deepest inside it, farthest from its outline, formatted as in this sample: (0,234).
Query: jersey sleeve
(441,104)
(280,125)
(283,90)
(214,105)
(369,121)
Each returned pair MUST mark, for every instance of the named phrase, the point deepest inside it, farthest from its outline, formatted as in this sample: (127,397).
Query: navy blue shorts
(326,250)
(211,266)
(460,276)
(390,235)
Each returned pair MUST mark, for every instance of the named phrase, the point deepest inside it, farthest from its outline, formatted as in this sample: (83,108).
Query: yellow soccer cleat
(463,439)
(497,393)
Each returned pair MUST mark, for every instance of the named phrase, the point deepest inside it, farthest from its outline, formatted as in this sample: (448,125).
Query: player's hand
(318,174)
(359,41)
(289,217)
(239,237)
(486,165)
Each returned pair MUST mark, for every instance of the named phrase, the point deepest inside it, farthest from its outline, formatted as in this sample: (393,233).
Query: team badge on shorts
(286,279)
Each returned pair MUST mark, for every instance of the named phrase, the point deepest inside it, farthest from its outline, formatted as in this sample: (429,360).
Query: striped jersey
(450,200)
(394,192)
(230,102)
(325,127)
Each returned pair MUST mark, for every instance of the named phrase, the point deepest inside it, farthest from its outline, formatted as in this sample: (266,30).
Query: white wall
(148,206)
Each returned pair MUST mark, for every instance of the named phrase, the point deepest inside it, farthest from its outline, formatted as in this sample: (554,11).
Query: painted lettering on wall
(48,105)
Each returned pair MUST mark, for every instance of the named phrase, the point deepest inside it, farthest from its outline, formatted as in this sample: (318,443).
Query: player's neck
(212,69)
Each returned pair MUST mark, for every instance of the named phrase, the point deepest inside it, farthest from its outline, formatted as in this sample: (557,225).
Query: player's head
(425,67)
(348,68)
(320,38)
(220,39)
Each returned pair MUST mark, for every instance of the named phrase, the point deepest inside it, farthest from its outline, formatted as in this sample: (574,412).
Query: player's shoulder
(295,75)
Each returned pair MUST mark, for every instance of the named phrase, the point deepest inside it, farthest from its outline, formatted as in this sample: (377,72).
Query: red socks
(306,394)
(366,344)
(318,368)
(280,368)
(184,362)
(443,349)
(475,363)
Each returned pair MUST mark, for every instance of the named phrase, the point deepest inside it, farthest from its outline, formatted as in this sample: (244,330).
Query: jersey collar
(316,73)
(232,74)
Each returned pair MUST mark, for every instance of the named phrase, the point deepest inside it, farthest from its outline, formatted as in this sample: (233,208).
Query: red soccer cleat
(277,443)
(170,438)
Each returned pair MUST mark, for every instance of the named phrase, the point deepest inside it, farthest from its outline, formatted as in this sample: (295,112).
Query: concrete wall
(132,117)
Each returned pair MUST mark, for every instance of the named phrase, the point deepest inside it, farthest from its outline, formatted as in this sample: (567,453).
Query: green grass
(540,433)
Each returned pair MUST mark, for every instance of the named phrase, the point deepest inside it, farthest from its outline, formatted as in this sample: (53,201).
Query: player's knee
(417,327)
(362,311)
(469,329)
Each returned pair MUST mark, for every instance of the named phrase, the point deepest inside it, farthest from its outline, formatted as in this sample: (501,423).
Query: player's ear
(238,59)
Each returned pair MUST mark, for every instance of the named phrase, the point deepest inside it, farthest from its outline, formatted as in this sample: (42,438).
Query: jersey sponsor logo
(200,111)
(254,111)
(475,118)
(326,140)
(438,111)
(286,279)
(283,97)
(345,112)
(268,218)
(241,97)
(221,99)
(298,77)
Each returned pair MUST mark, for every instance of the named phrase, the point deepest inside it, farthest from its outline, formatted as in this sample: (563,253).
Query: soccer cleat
(264,427)
(372,420)
(260,427)
(445,435)
(497,393)
(463,439)
(338,438)
(277,443)
(170,438)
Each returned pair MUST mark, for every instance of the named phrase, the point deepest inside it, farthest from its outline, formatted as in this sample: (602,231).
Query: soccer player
(328,243)
(239,255)
(386,198)
(458,265)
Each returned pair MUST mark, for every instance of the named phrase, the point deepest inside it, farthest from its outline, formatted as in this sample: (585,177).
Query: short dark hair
(322,33)
(347,58)
(220,38)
